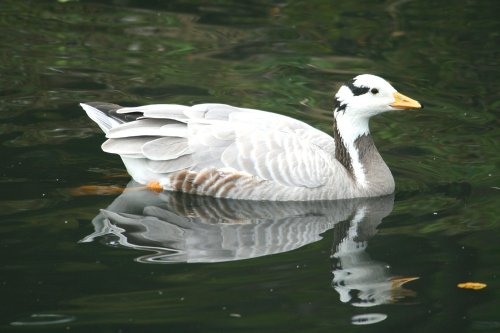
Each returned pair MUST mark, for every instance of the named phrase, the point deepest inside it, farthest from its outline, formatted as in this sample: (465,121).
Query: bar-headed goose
(225,151)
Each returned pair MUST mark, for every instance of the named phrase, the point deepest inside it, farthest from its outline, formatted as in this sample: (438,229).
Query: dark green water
(306,269)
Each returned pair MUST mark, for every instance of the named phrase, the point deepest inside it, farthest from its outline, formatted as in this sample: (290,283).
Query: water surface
(191,265)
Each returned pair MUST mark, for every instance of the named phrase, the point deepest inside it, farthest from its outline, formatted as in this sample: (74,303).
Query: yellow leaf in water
(471,285)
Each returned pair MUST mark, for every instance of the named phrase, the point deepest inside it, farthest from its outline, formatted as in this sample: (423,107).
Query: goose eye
(374,91)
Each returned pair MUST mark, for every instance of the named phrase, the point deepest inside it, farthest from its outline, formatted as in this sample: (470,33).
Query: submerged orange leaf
(95,190)
(471,285)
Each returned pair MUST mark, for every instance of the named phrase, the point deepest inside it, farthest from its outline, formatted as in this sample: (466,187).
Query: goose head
(361,98)
(355,103)
(368,95)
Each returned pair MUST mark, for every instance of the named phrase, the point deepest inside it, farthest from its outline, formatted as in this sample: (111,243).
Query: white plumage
(225,151)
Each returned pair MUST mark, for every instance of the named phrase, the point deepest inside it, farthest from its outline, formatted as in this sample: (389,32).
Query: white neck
(351,128)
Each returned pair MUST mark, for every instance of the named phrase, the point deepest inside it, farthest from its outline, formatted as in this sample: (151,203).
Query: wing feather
(274,147)
(167,166)
(165,109)
(142,127)
(278,156)
(126,146)
(166,148)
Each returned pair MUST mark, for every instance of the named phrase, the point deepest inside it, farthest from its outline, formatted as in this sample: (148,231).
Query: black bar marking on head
(356,91)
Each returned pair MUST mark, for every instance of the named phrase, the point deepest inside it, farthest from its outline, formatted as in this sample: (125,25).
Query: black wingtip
(110,109)
(104,107)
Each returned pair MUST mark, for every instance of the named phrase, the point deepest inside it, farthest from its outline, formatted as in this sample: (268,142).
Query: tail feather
(106,115)
(101,114)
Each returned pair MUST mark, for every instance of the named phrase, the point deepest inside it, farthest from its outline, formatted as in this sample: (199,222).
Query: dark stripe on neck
(341,152)
(356,91)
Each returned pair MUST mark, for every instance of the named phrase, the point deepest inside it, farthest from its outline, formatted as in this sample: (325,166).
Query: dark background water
(284,56)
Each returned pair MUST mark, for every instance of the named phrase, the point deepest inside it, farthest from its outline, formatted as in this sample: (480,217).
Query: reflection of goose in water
(358,279)
(180,228)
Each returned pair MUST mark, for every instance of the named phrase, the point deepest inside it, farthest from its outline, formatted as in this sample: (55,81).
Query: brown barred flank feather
(207,182)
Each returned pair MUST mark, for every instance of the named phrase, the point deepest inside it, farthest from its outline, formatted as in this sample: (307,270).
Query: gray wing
(270,146)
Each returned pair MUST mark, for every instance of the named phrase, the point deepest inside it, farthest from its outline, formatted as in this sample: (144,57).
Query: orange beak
(404,102)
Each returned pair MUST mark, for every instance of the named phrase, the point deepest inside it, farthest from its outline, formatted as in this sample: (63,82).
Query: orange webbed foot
(155,187)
